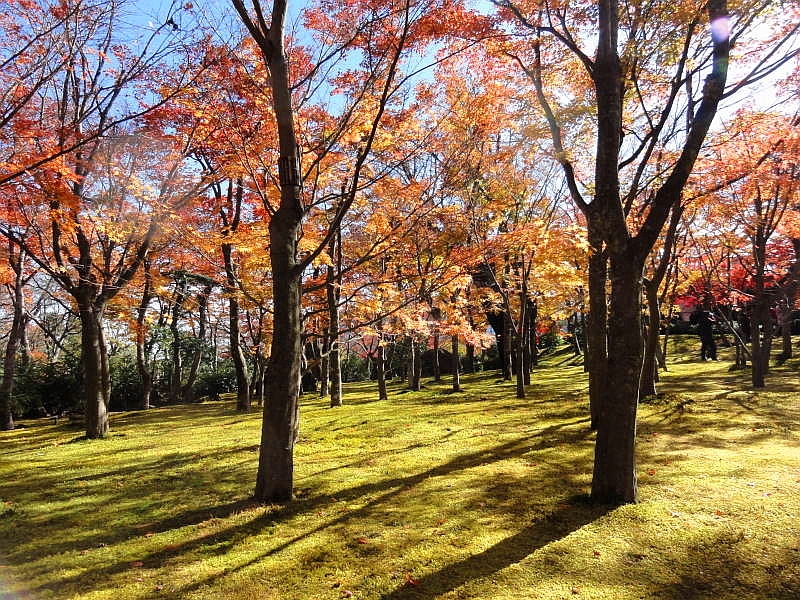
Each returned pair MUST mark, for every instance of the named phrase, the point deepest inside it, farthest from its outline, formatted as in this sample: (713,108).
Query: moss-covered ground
(429,495)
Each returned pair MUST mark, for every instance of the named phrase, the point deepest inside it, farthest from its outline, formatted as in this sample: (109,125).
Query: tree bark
(141,347)
(281,408)
(380,372)
(202,309)
(95,370)
(437,371)
(176,373)
(614,480)
(647,385)
(13,342)
(414,367)
(596,332)
(332,295)
(456,368)
(506,355)
(234,331)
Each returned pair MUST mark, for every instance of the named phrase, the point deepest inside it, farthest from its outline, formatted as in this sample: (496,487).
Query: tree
(625,54)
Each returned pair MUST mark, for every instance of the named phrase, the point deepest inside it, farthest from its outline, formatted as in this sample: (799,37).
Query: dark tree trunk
(334,360)
(13,342)
(647,385)
(614,480)
(141,347)
(456,368)
(324,371)
(202,309)
(281,408)
(177,359)
(437,371)
(506,356)
(380,372)
(94,363)
(519,343)
(469,367)
(235,337)
(596,333)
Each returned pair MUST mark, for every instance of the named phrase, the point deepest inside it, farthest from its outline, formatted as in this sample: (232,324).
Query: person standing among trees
(705,325)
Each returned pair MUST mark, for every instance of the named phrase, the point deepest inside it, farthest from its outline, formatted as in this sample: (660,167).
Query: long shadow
(509,551)
(387,489)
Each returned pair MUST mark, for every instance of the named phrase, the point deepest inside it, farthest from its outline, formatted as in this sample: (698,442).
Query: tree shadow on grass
(386,491)
(511,550)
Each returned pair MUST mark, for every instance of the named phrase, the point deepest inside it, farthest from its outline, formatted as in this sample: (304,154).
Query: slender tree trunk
(234,331)
(380,372)
(324,377)
(202,309)
(519,342)
(94,372)
(12,346)
(527,366)
(614,480)
(177,359)
(456,366)
(141,347)
(507,348)
(437,371)
(334,360)
(470,362)
(596,332)
(647,386)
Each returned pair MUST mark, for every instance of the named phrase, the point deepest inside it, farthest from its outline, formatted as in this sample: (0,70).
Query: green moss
(427,495)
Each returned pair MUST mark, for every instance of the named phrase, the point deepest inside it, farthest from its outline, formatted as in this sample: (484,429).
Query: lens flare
(720,29)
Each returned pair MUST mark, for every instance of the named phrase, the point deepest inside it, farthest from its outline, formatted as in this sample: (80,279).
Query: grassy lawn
(428,495)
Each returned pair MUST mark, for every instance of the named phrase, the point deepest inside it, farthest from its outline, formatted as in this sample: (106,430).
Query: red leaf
(137,563)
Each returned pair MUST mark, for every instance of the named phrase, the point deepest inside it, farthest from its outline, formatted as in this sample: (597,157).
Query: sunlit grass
(429,495)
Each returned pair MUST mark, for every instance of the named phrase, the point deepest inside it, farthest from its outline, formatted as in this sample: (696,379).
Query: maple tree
(626,56)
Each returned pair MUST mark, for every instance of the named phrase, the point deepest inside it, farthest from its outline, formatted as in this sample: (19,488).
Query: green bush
(48,387)
(222,380)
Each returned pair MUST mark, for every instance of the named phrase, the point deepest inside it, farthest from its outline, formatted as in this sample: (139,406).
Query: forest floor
(429,495)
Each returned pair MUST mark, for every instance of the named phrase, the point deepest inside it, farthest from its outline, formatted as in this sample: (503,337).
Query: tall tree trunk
(456,368)
(177,359)
(234,332)
(380,364)
(414,367)
(202,309)
(647,385)
(324,377)
(519,342)
(141,347)
(334,359)
(596,332)
(13,341)
(281,408)
(95,370)
(506,356)
(532,333)
(614,480)
(437,371)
